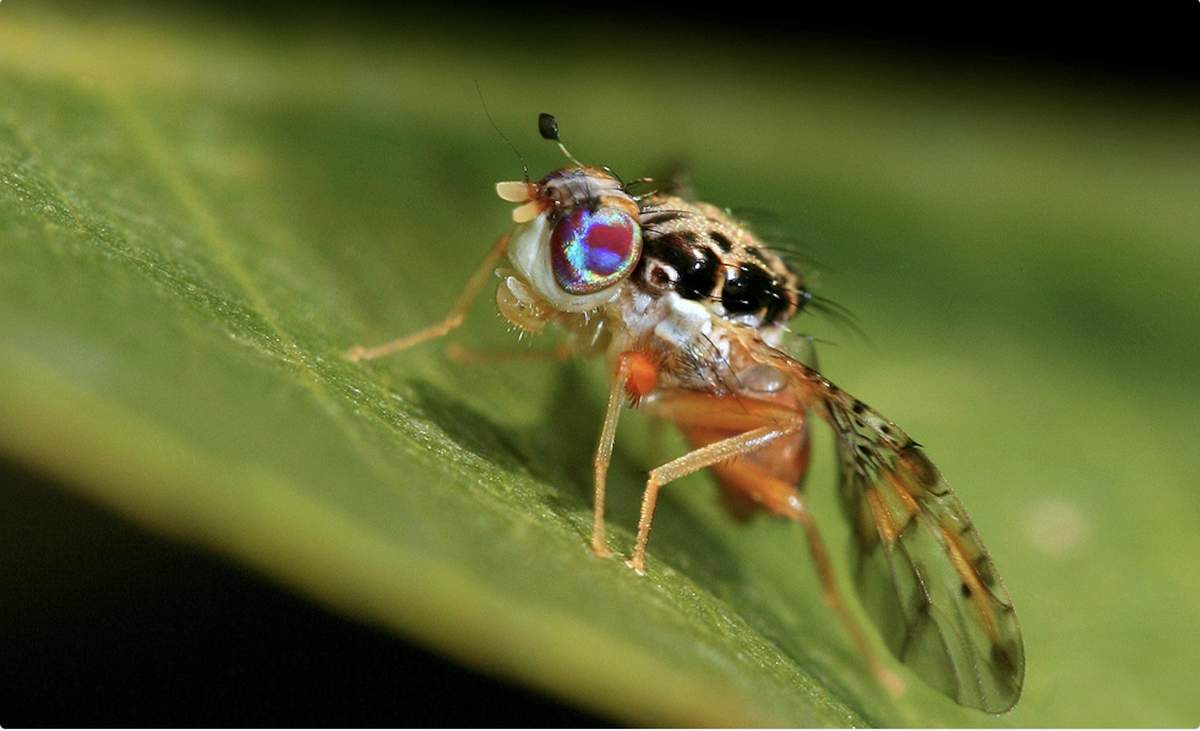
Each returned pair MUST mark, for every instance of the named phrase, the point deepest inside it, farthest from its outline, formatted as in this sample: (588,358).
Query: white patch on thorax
(685,321)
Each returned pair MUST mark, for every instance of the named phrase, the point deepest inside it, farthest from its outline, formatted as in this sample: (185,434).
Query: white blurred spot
(1057,528)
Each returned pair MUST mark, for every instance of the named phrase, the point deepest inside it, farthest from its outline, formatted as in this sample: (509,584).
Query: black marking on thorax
(692,270)
(700,253)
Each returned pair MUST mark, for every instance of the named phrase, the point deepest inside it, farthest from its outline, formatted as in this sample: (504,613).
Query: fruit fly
(688,308)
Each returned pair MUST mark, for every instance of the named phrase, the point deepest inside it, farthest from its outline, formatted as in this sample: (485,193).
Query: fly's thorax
(578,238)
(662,321)
(701,254)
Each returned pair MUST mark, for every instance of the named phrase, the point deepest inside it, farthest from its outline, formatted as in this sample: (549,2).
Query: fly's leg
(452,320)
(696,460)
(784,500)
(885,677)
(608,434)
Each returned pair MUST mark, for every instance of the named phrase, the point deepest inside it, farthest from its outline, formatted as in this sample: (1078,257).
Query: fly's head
(577,239)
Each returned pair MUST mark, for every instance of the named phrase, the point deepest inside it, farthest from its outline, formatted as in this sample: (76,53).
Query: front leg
(447,324)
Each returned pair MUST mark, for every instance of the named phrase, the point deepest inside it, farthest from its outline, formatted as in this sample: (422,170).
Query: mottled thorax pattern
(702,254)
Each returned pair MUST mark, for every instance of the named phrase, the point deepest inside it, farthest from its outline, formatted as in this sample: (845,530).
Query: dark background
(1109,45)
(227,648)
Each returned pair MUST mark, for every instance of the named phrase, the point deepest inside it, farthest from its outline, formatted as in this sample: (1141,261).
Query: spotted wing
(920,567)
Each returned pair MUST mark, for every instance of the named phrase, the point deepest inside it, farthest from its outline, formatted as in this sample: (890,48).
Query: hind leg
(784,500)
(886,678)
(699,414)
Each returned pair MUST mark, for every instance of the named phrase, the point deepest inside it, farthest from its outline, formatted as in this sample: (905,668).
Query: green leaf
(195,222)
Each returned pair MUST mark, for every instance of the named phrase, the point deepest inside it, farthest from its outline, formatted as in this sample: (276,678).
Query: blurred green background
(198,215)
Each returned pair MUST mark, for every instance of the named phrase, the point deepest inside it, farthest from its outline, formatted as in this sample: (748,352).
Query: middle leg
(698,459)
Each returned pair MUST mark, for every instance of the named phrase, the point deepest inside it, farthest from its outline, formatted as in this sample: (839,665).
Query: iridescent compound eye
(591,250)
